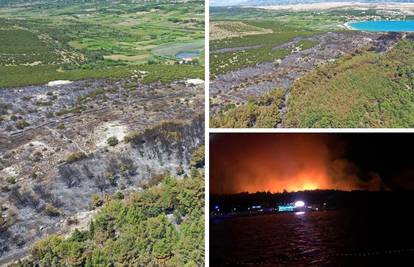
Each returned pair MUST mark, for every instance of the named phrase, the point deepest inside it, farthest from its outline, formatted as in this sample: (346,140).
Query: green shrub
(198,157)
(21,124)
(51,210)
(96,201)
(11,180)
(180,170)
(112,141)
(61,126)
(76,156)
(131,136)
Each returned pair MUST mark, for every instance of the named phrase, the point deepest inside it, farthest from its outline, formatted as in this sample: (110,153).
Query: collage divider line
(311,130)
(206,131)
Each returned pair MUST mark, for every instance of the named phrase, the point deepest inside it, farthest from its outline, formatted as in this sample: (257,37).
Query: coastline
(347,25)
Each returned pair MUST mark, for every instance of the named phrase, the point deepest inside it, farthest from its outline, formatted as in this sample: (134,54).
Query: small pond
(190,54)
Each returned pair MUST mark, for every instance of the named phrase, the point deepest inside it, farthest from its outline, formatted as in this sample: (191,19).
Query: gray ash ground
(79,118)
(236,87)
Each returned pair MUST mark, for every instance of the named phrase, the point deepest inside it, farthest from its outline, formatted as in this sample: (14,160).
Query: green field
(172,50)
(87,39)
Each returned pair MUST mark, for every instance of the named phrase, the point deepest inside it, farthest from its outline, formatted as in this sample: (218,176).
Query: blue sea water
(187,54)
(384,26)
(328,238)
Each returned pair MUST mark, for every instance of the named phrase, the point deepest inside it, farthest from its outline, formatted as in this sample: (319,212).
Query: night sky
(294,162)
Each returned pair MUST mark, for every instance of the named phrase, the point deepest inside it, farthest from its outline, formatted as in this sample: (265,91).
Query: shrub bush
(112,141)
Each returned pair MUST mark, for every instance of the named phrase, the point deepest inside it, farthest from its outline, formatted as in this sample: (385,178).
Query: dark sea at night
(378,237)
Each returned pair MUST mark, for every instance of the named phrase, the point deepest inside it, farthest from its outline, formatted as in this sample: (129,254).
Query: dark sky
(274,162)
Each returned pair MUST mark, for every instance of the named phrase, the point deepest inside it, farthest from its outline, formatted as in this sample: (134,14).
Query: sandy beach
(347,26)
(407,8)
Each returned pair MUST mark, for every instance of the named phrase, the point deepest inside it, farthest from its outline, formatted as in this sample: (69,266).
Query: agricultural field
(47,40)
(307,68)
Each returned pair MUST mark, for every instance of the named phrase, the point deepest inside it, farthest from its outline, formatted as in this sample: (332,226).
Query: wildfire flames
(291,162)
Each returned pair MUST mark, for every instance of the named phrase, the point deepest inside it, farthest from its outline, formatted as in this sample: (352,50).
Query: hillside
(162,225)
(306,68)
(97,104)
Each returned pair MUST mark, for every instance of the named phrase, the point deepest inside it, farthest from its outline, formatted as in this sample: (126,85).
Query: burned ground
(59,160)
(236,88)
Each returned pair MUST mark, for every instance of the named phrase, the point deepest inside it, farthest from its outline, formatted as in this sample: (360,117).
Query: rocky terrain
(237,87)
(63,148)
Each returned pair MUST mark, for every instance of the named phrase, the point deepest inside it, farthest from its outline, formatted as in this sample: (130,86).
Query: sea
(346,237)
(384,26)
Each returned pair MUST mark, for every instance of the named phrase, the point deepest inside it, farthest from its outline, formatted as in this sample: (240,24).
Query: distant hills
(290,2)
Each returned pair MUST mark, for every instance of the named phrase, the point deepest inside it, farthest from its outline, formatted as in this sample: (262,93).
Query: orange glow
(290,162)
(309,186)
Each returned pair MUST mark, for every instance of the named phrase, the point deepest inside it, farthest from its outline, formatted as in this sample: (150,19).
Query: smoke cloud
(278,162)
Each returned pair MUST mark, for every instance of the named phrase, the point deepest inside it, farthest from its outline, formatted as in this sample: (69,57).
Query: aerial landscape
(311,199)
(311,64)
(101,133)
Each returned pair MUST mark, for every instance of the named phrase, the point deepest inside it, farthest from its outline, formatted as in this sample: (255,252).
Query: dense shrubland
(229,61)
(163,225)
(361,90)
(260,113)
(23,75)
(257,48)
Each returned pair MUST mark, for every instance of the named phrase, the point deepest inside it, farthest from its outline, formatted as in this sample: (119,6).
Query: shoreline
(347,26)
